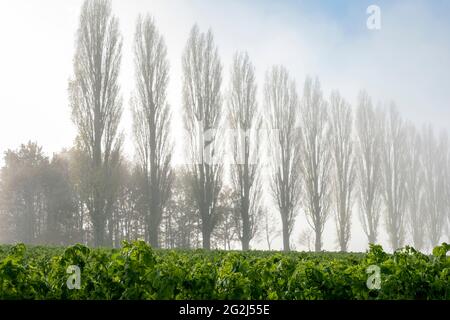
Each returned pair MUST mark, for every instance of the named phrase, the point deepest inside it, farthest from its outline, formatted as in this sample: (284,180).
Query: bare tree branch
(151,116)
(202,101)
(368,134)
(281,110)
(343,165)
(246,123)
(315,158)
(97,105)
(394,176)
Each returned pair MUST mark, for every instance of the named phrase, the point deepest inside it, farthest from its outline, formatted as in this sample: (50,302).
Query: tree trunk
(29,222)
(245,243)
(206,240)
(206,233)
(245,226)
(395,242)
(109,237)
(154,235)
(342,241)
(318,245)
(99,231)
(286,244)
(372,238)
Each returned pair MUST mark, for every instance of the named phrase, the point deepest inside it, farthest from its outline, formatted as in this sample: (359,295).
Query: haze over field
(406,61)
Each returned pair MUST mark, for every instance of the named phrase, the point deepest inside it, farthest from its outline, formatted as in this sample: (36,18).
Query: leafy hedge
(139,272)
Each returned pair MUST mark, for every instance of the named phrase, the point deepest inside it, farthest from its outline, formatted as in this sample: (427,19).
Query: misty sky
(407,61)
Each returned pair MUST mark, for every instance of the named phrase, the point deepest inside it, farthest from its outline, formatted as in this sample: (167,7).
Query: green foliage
(139,272)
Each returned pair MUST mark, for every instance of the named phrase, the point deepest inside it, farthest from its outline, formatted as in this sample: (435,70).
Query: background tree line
(327,159)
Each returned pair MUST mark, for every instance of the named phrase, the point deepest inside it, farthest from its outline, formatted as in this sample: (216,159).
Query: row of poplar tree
(308,154)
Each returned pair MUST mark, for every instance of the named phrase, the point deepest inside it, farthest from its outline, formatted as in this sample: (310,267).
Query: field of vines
(136,271)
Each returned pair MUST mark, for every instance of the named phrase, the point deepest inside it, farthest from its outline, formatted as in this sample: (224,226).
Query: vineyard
(136,271)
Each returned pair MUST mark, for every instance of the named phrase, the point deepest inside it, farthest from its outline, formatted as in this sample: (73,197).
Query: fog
(405,62)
